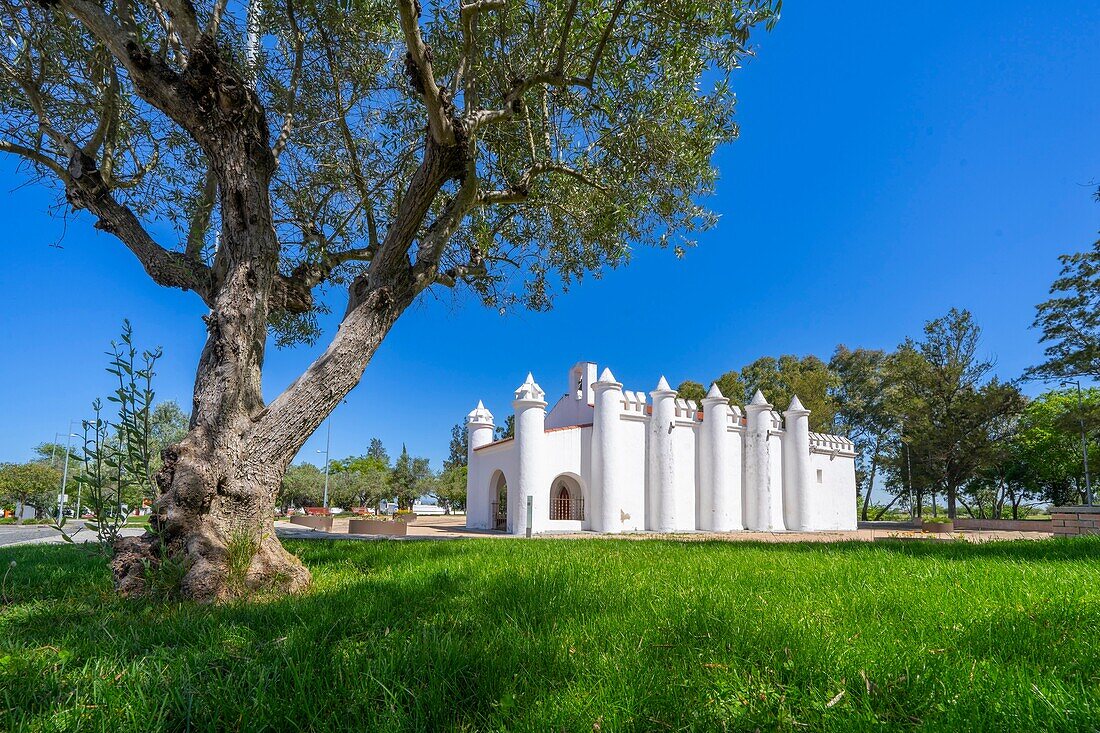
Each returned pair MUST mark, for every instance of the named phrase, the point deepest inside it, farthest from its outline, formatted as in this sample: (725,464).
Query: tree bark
(871,479)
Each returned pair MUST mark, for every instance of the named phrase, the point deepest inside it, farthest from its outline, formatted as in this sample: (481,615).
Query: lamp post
(65,474)
(1084,439)
(328,444)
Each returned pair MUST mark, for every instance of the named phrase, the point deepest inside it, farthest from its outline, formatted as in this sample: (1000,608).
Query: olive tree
(304,149)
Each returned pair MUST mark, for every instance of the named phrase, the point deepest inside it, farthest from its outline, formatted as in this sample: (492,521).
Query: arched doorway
(498,492)
(566,499)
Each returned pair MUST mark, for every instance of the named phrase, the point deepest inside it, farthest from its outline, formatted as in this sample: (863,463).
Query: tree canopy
(35,483)
(557,134)
(1070,319)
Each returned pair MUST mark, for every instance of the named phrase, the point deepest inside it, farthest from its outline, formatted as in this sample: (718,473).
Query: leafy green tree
(1070,319)
(689,390)
(302,485)
(168,425)
(361,481)
(410,477)
(861,393)
(450,488)
(1046,450)
(458,451)
(731,385)
(508,429)
(34,484)
(950,412)
(377,451)
(385,148)
(783,378)
(54,454)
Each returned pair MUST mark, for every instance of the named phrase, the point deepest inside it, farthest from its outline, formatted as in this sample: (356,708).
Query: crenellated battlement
(688,410)
(832,444)
(634,404)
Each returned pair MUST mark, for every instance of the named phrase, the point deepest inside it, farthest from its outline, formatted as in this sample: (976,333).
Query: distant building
(605,459)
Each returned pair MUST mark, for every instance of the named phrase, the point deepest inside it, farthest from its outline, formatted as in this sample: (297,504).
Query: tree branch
(598,54)
(512,101)
(563,44)
(467,16)
(86,189)
(33,156)
(558,78)
(418,66)
(349,141)
(519,192)
(295,75)
(200,221)
(440,231)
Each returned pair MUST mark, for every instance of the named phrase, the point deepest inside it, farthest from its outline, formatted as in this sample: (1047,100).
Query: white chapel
(608,460)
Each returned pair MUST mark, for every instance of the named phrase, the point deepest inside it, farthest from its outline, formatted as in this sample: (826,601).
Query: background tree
(302,485)
(54,454)
(378,452)
(363,481)
(410,477)
(168,426)
(35,484)
(861,393)
(1046,449)
(458,450)
(507,430)
(689,390)
(386,148)
(995,419)
(1070,320)
(732,386)
(450,488)
(783,378)
(947,406)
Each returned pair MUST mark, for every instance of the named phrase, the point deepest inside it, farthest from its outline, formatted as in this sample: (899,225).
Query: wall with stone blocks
(1070,521)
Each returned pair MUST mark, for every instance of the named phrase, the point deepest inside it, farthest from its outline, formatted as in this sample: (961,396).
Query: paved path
(453,527)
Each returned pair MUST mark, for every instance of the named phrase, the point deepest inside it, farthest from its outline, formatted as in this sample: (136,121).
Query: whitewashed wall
(667,474)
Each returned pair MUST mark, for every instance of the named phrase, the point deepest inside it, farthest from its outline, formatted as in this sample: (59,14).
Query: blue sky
(896,159)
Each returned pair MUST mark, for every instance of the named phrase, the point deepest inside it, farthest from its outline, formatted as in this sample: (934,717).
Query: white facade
(606,459)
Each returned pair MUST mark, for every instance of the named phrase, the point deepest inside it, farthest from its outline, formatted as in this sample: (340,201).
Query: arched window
(498,490)
(566,501)
(577,378)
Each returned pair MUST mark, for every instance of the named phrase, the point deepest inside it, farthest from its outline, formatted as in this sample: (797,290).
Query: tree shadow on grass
(1075,549)
(470,636)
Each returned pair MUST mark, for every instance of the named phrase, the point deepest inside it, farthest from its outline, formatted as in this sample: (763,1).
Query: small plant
(4,583)
(164,581)
(117,456)
(240,550)
(937,520)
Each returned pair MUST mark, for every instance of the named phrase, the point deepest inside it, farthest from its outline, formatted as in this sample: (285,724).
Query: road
(13,534)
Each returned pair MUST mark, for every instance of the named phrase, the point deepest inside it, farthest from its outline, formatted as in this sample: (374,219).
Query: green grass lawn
(573,635)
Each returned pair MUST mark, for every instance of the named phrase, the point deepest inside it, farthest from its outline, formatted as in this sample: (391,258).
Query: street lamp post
(65,474)
(1084,439)
(328,444)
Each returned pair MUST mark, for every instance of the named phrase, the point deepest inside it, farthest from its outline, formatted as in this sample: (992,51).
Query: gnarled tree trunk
(215,515)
